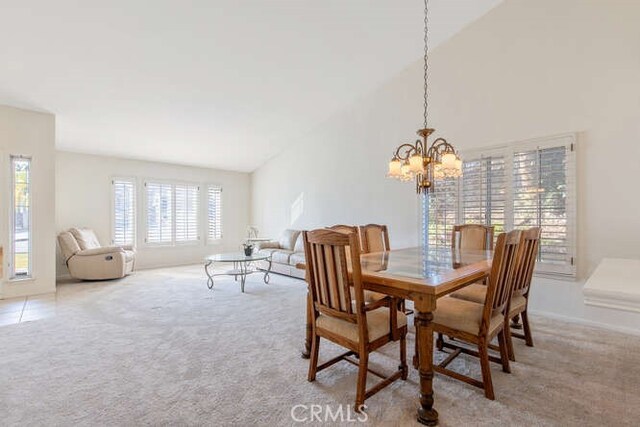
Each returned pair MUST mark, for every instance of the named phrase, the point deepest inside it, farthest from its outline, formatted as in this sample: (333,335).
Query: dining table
(422,275)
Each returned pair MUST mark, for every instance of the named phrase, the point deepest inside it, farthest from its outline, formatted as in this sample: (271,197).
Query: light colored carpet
(159,348)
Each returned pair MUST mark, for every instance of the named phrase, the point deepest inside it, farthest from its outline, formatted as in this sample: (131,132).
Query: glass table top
(421,263)
(236,257)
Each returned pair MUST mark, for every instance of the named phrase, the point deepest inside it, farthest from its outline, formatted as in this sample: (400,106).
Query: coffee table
(243,265)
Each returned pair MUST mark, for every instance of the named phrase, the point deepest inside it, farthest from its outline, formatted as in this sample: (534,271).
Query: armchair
(88,260)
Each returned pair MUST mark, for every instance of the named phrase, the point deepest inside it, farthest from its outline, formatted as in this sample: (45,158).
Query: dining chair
(519,300)
(374,238)
(340,314)
(472,236)
(369,296)
(477,324)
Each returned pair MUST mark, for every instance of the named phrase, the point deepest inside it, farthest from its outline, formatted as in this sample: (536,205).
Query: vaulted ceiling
(216,83)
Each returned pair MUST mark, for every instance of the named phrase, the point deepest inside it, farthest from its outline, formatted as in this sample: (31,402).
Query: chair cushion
(85,237)
(268,251)
(288,239)
(477,293)
(296,258)
(370,296)
(377,325)
(464,316)
(281,256)
(474,293)
(518,304)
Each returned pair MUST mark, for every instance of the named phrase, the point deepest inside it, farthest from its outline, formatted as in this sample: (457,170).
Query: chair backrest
(472,236)
(86,238)
(328,276)
(344,228)
(503,266)
(375,238)
(529,242)
(68,245)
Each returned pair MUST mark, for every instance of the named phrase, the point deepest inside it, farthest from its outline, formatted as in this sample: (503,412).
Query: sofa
(88,260)
(285,253)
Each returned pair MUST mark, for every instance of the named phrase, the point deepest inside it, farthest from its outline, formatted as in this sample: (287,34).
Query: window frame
(12,214)
(218,240)
(569,269)
(133,181)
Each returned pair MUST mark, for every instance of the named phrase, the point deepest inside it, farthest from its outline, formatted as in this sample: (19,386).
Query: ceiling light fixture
(420,161)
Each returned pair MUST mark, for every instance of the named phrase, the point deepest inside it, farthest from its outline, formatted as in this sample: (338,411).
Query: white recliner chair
(88,260)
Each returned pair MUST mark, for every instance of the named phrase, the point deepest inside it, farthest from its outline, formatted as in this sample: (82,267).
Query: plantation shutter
(124,212)
(543,181)
(215,213)
(483,191)
(187,206)
(159,213)
(443,209)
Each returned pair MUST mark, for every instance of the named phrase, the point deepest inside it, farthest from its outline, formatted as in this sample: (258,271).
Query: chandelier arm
(441,146)
(409,150)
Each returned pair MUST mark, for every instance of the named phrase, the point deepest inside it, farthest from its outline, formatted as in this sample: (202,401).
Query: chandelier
(420,161)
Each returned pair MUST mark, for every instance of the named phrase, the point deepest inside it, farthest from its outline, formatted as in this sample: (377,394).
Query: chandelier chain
(426,61)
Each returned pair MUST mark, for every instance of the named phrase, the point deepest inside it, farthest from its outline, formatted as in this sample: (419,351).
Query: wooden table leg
(427,415)
(306,353)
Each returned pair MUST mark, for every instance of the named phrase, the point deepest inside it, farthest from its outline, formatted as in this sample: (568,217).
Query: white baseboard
(585,322)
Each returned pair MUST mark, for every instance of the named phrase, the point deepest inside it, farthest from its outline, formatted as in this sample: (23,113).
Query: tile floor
(26,309)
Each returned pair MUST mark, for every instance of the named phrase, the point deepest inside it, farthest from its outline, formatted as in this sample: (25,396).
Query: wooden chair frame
(496,301)
(528,254)
(331,288)
(460,229)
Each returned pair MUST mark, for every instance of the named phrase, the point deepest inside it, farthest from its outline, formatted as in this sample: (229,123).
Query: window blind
(528,184)
(159,213)
(443,210)
(483,192)
(214,212)
(542,181)
(124,211)
(186,212)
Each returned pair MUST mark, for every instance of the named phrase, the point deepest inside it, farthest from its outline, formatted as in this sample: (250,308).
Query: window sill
(17,280)
(561,277)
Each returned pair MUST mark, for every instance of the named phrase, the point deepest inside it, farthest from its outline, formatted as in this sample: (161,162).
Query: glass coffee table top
(237,257)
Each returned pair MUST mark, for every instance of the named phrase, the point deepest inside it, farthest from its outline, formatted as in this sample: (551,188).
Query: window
(542,180)
(187,205)
(124,212)
(159,213)
(172,213)
(214,213)
(523,185)
(21,244)
(443,212)
(483,186)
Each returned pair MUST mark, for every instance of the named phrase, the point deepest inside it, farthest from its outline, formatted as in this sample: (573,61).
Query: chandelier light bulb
(395,168)
(415,162)
(449,160)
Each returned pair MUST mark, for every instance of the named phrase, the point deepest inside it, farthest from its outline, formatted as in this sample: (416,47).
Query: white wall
(526,69)
(32,134)
(83,199)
